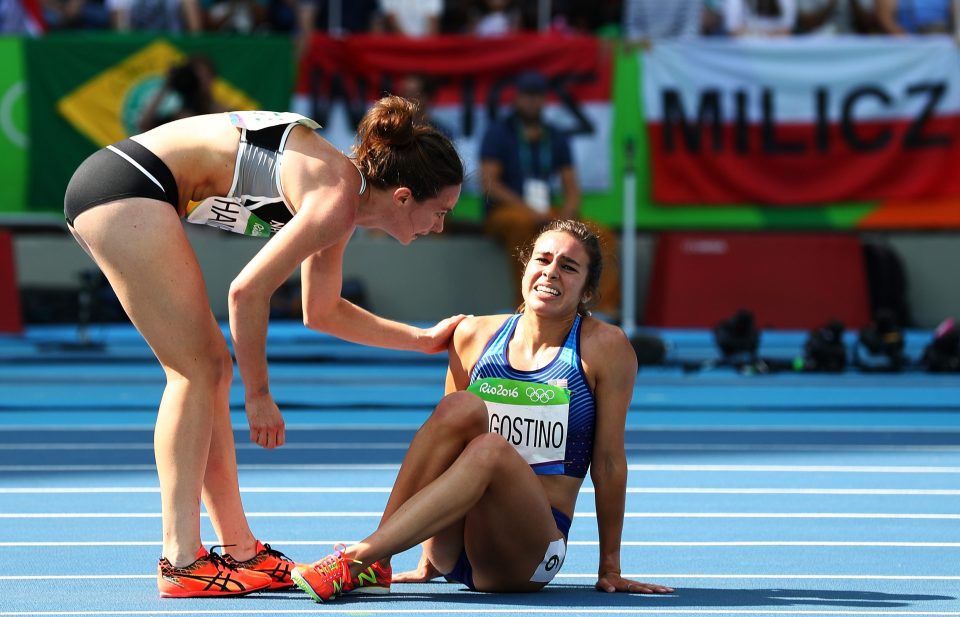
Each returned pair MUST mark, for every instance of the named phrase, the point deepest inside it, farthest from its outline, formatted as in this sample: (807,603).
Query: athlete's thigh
(507,533)
(142,249)
(443,550)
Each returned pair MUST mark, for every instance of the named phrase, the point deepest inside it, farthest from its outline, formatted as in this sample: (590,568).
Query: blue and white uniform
(565,368)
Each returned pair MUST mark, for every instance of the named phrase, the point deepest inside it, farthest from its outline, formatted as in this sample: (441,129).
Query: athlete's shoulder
(601,342)
(480,329)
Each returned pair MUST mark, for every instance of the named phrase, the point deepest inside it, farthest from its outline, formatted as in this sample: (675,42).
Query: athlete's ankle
(179,558)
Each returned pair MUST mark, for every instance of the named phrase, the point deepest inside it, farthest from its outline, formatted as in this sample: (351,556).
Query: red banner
(339,78)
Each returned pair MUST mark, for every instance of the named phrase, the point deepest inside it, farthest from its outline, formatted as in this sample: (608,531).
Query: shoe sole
(304,586)
(209,594)
(370,591)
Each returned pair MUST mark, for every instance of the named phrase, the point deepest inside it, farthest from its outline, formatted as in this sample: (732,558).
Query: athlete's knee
(461,412)
(487,452)
(212,368)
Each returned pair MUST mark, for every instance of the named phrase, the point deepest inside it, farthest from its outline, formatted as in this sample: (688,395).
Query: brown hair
(394,150)
(590,241)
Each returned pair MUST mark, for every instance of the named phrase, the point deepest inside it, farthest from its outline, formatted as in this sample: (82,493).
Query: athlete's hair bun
(390,122)
(396,148)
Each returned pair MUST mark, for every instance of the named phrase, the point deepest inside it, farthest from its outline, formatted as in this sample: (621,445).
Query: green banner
(14,139)
(87,91)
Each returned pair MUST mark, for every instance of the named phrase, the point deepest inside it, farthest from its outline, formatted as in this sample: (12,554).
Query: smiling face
(420,218)
(555,278)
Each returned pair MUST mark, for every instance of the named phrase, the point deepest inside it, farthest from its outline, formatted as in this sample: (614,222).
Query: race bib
(227,214)
(533,417)
(256,120)
(536,193)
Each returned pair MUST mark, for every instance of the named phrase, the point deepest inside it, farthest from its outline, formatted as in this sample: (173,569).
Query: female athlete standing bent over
(262,174)
(490,481)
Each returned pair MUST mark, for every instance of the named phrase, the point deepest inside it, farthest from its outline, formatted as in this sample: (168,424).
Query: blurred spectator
(915,16)
(457,16)
(76,14)
(282,15)
(587,16)
(712,20)
(522,159)
(236,16)
(647,20)
(171,16)
(21,17)
(829,17)
(760,17)
(186,91)
(422,89)
(412,18)
(355,17)
(498,17)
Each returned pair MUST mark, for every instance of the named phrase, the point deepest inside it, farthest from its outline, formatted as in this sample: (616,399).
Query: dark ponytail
(394,150)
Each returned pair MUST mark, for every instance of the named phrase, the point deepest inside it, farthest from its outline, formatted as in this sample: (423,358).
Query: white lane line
(919,469)
(645,515)
(403,445)
(587,576)
(44,544)
(94,490)
(354,610)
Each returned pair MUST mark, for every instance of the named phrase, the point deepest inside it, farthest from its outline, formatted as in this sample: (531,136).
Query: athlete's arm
(313,229)
(324,310)
(612,361)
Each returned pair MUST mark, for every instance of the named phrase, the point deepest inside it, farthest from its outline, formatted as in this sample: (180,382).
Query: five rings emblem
(540,395)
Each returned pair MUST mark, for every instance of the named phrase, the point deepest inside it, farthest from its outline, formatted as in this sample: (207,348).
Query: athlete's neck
(535,333)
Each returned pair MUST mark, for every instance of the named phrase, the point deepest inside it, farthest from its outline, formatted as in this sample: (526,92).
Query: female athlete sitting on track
(489,485)
(262,174)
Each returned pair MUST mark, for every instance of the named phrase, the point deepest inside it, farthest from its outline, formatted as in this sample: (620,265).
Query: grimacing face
(556,275)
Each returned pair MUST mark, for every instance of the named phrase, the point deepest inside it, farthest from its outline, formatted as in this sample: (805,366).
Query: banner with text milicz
(803,121)
(339,79)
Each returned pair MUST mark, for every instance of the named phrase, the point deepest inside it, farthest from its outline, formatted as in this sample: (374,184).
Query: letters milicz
(714,105)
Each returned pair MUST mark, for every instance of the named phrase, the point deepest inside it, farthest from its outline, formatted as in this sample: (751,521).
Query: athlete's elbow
(319,316)
(608,466)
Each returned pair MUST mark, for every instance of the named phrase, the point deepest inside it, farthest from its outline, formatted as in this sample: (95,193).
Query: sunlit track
(779,495)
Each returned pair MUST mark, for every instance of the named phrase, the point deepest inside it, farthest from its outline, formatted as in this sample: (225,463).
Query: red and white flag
(803,121)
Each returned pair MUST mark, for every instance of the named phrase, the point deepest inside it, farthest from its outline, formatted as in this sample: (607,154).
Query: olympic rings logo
(540,395)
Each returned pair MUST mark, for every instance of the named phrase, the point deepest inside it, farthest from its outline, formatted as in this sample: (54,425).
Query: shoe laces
(220,560)
(331,562)
(275,553)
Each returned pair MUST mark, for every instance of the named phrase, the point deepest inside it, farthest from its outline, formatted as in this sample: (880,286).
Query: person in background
(186,91)
(833,17)
(523,157)
(412,18)
(170,16)
(900,17)
(421,89)
(497,18)
(492,514)
(645,21)
(760,17)
(76,15)
(236,16)
(356,17)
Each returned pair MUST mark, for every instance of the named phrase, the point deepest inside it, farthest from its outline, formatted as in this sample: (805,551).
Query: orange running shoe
(325,579)
(208,576)
(374,579)
(268,561)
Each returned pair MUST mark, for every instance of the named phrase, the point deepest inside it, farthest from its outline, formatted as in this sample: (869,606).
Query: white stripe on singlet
(130,160)
(363,181)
